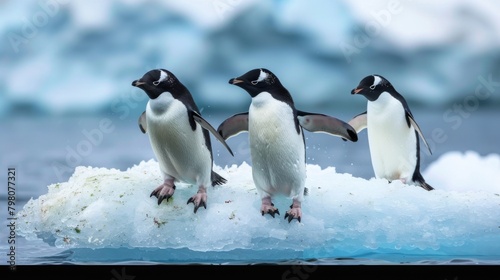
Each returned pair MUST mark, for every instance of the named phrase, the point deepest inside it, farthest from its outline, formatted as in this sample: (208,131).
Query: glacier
(95,50)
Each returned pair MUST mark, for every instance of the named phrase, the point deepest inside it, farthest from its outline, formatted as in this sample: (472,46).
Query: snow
(343,215)
(456,171)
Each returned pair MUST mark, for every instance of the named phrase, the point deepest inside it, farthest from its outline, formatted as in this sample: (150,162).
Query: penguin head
(155,82)
(256,81)
(372,87)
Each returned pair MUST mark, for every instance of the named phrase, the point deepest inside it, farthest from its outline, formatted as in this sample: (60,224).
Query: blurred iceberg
(61,56)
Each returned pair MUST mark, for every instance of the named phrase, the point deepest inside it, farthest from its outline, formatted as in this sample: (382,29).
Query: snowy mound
(342,215)
(463,172)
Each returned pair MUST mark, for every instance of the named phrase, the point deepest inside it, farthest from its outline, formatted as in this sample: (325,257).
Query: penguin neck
(281,95)
(384,105)
(161,103)
(261,99)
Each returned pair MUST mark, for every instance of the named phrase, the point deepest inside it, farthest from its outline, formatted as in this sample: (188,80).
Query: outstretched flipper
(327,124)
(197,117)
(142,122)
(234,125)
(358,122)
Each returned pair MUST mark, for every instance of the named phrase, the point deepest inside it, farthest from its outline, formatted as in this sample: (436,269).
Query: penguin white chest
(277,149)
(392,142)
(181,152)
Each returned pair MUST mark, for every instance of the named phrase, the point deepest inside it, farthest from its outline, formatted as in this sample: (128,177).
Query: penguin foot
(267,207)
(295,212)
(199,199)
(162,192)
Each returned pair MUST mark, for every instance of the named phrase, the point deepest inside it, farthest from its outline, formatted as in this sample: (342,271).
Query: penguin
(179,136)
(277,143)
(393,133)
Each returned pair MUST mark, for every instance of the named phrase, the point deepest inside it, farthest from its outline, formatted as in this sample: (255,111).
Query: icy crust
(109,208)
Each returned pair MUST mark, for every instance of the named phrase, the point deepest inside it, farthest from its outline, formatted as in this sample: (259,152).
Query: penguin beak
(356,90)
(235,81)
(137,83)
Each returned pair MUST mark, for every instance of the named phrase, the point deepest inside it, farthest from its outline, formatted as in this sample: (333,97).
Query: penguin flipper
(234,125)
(359,122)
(197,117)
(142,122)
(322,123)
(417,128)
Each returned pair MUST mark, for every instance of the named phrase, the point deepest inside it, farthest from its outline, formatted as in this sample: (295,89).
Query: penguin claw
(272,213)
(267,207)
(199,199)
(192,200)
(291,217)
(294,213)
(163,192)
(161,198)
(270,210)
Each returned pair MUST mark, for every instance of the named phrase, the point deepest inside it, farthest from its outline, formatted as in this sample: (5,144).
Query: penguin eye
(372,87)
(254,82)
(156,83)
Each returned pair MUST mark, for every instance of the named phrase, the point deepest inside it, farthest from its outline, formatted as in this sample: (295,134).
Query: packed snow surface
(342,215)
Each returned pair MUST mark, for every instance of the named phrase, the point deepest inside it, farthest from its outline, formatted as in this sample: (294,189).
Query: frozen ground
(342,215)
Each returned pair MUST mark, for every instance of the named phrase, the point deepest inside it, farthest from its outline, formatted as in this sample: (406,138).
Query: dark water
(45,150)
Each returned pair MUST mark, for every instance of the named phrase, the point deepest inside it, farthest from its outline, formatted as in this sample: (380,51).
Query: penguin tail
(425,186)
(421,182)
(217,179)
